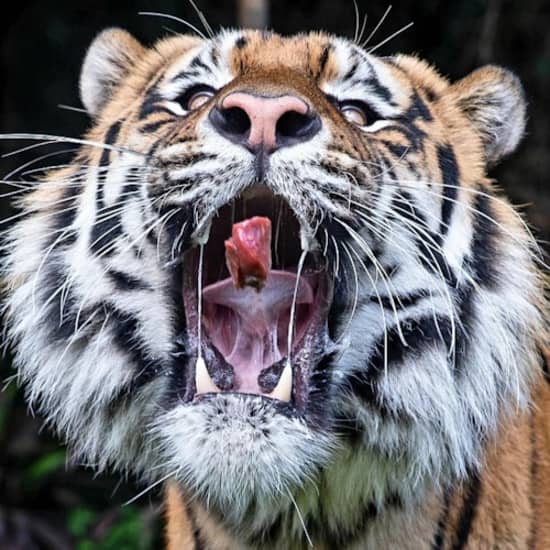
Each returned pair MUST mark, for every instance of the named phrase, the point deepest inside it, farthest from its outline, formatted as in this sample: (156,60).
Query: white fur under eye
(176,108)
(375,126)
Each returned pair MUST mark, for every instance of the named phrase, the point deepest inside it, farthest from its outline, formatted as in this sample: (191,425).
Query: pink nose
(264,122)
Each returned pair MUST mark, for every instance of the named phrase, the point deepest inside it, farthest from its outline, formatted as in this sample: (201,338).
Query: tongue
(247,315)
(248,252)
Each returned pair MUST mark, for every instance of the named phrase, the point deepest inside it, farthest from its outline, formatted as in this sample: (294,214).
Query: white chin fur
(231,450)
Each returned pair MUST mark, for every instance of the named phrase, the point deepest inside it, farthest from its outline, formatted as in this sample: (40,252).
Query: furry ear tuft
(109,58)
(494,101)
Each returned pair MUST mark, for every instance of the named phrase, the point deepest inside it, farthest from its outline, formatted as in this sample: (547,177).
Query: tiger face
(397,322)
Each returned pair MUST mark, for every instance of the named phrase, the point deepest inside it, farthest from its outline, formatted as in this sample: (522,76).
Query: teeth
(203,382)
(283,389)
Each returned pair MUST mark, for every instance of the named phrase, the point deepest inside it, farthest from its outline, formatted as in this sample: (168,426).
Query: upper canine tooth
(283,389)
(203,381)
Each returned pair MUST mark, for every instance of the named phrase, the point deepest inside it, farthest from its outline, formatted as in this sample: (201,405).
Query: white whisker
(377,26)
(174,18)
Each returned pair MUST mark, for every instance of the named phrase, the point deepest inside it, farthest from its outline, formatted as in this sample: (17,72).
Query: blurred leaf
(79,522)
(127,533)
(45,466)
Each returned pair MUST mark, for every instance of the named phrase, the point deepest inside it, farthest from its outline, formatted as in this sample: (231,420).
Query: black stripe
(214,57)
(351,536)
(324,58)
(404,301)
(110,138)
(241,42)
(108,224)
(467,315)
(154,126)
(152,104)
(125,329)
(66,217)
(105,231)
(450,178)
(483,248)
(198,541)
(430,255)
(375,87)
(545,368)
(397,150)
(419,334)
(472,492)
(410,132)
(267,535)
(198,63)
(320,391)
(352,71)
(438,542)
(125,281)
(61,311)
(418,109)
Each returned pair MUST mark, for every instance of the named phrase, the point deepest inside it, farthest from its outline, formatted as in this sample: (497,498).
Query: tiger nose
(264,122)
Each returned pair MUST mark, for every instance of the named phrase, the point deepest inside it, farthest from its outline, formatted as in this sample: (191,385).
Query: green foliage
(127,530)
(44,466)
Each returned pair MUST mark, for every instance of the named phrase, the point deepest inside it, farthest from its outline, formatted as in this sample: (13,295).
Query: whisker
(203,19)
(396,33)
(174,18)
(506,204)
(355,297)
(292,318)
(27,148)
(35,160)
(470,208)
(377,26)
(381,306)
(71,108)
(435,265)
(64,139)
(300,518)
(357,19)
(158,482)
(379,269)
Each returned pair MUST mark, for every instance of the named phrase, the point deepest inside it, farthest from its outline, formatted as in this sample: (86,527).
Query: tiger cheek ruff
(277,279)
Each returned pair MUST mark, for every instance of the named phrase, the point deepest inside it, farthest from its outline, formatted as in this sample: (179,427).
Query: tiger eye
(198,99)
(355,115)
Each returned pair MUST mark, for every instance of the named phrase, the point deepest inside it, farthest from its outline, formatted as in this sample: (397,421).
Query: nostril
(296,126)
(232,121)
(236,120)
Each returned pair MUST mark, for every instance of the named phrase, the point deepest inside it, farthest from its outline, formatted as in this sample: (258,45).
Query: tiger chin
(387,388)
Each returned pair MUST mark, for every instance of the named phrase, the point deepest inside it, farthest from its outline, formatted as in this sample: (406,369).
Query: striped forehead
(336,65)
(369,78)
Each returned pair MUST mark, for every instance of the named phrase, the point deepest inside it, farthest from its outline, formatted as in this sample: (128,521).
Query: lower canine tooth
(283,389)
(203,381)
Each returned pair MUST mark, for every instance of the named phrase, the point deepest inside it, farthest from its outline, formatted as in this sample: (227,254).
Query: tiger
(387,386)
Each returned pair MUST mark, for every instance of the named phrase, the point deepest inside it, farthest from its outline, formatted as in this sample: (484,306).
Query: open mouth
(262,330)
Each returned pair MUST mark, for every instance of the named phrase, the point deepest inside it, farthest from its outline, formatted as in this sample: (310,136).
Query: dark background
(45,503)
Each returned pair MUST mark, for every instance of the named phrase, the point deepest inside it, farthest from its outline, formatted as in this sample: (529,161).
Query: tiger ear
(494,101)
(109,58)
